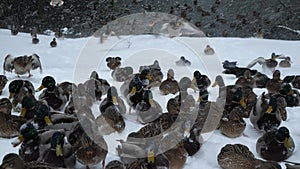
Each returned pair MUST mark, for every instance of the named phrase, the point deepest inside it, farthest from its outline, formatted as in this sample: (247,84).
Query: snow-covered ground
(74,59)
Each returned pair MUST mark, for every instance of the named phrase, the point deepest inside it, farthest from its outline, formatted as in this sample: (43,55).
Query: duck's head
(170,74)
(185,83)
(238,96)
(273,105)
(146,73)
(47,82)
(197,74)
(3,79)
(137,85)
(182,58)
(94,75)
(148,97)
(27,132)
(15,87)
(282,135)
(285,88)
(219,81)
(27,103)
(276,74)
(112,95)
(5,106)
(57,143)
(128,70)
(12,161)
(274,56)
(43,114)
(247,74)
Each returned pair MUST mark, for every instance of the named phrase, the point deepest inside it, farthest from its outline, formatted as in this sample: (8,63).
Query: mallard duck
(170,85)
(245,80)
(30,107)
(5,106)
(273,85)
(177,156)
(267,114)
(260,80)
(92,152)
(14,30)
(113,99)
(209,50)
(29,137)
(18,89)
(115,164)
(122,74)
(9,124)
(53,43)
(155,72)
(185,100)
(236,156)
(96,86)
(52,93)
(148,109)
(67,88)
(42,116)
(173,106)
(54,154)
(12,160)
(35,39)
(200,81)
(267,64)
(238,71)
(276,145)
(113,62)
(291,96)
(22,64)
(286,62)
(3,81)
(227,64)
(233,125)
(183,62)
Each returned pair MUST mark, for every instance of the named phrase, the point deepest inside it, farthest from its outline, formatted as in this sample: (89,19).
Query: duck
(35,39)
(229,64)
(276,145)
(18,89)
(9,124)
(121,74)
(113,62)
(96,86)
(5,106)
(13,159)
(177,156)
(148,109)
(267,64)
(296,82)
(209,50)
(59,35)
(67,88)
(42,117)
(238,71)
(170,85)
(286,63)
(155,72)
(200,81)
(185,100)
(113,99)
(3,82)
(30,107)
(246,80)
(233,125)
(292,96)
(115,164)
(52,93)
(273,85)
(260,80)
(29,140)
(183,62)
(54,155)
(22,64)
(14,30)
(236,156)
(173,106)
(53,43)
(92,152)
(267,114)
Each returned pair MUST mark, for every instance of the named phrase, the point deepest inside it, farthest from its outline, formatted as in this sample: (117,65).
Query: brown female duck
(170,85)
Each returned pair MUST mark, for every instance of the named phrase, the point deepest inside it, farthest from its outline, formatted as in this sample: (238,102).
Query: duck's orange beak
(243,103)
(215,84)
(59,150)
(288,142)
(48,121)
(151,156)
(23,112)
(10,95)
(115,100)
(40,88)
(270,109)
(149,77)
(133,91)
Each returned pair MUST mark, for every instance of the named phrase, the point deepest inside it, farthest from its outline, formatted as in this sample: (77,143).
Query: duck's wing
(36,63)
(8,63)
(259,60)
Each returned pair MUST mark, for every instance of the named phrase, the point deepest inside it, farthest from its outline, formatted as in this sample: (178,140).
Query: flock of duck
(59,129)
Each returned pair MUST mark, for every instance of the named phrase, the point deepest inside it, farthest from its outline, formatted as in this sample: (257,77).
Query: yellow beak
(115,100)
(242,103)
(10,95)
(291,92)
(59,151)
(215,84)
(149,77)
(270,109)
(133,91)
(199,99)
(151,156)
(21,138)
(151,101)
(48,121)
(40,88)
(23,112)
(288,142)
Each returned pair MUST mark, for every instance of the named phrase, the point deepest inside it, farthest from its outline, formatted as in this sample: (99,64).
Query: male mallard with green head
(200,81)
(276,145)
(237,156)
(155,72)
(22,64)
(170,85)
(113,99)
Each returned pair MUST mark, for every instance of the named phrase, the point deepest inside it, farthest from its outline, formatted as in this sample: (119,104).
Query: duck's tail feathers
(8,64)
(259,60)
(36,63)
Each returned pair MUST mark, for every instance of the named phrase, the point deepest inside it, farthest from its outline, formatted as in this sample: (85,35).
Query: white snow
(75,59)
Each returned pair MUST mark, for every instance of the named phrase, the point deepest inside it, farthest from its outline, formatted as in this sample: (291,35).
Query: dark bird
(22,64)
(113,62)
(35,39)
(227,64)
(3,81)
(53,43)
(239,71)
(267,64)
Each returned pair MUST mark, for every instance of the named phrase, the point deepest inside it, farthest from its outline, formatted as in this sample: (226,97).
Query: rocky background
(220,18)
